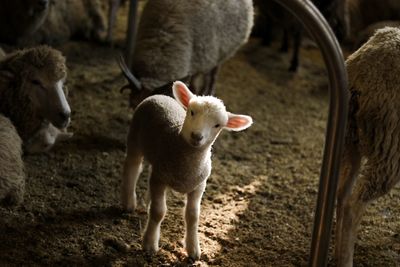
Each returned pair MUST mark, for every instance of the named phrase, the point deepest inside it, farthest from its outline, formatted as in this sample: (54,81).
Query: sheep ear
(238,122)
(181,93)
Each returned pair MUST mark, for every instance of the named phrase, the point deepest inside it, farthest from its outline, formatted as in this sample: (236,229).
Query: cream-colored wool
(179,38)
(12,176)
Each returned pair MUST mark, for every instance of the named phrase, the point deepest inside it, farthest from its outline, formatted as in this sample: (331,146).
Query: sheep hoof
(150,247)
(194,253)
(129,207)
(129,202)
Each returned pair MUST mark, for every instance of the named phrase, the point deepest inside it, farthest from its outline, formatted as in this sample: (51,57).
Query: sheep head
(40,73)
(205,117)
(23,17)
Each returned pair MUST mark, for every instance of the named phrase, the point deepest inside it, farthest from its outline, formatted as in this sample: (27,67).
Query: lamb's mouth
(195,143)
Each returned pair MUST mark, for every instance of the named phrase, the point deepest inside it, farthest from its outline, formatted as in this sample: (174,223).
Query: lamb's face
(205,118)
(48,95)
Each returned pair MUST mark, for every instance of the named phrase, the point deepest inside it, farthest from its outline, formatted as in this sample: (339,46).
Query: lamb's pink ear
(238,122)
(181,93)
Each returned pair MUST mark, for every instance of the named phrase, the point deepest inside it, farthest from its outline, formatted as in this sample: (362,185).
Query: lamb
(176,138)
(186,40)
(32,94)
(87,21)
(372,142)
(19,18)
(12,175)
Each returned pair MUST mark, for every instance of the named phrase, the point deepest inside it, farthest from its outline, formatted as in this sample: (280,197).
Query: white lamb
(175,136)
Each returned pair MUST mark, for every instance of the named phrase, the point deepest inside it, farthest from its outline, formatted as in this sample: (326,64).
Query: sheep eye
(217,125)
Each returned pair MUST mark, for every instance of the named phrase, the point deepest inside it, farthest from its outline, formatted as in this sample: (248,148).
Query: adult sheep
(12,176)
(186,40)
(32,92)
(83,19)
(372,143)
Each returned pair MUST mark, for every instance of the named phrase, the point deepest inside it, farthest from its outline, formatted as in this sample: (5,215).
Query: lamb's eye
(192,113)
(217,125)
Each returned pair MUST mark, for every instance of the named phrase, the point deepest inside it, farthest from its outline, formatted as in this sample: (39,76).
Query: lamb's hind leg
(157,211)
(376,182)
(192,213)
(349,169)
(132,169)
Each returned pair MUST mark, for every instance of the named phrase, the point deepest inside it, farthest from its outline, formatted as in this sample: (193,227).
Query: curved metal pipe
(317,26)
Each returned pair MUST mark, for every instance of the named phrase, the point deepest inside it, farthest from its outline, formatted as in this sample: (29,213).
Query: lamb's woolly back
(12,176)
(200,33)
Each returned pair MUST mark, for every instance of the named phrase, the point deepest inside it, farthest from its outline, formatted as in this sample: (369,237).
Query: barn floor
(259,202)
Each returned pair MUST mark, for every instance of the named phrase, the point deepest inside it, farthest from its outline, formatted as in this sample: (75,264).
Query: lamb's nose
(196,136)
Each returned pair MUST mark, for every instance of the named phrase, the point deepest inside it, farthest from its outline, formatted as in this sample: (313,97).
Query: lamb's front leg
(158,208)
(192,213)
(132,169)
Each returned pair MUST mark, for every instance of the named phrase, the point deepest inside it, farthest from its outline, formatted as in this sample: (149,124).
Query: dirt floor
(259,203)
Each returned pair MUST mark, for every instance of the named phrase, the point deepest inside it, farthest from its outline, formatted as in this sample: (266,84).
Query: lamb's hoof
(129,203)
(150,248)
(129,207)
(194,253)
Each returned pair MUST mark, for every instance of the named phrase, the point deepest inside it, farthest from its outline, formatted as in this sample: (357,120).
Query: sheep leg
(285,41)
(132,169)
(378,181)
(349,169)
(297,36)
(192,213)
(112,14)
(157,211)
(266,33)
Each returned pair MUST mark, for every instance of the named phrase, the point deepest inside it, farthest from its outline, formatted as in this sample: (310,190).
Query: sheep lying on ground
(186,40)
(176,138)
(20,18)
(66,19)
(12,176)
(32,94)
(373,134)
